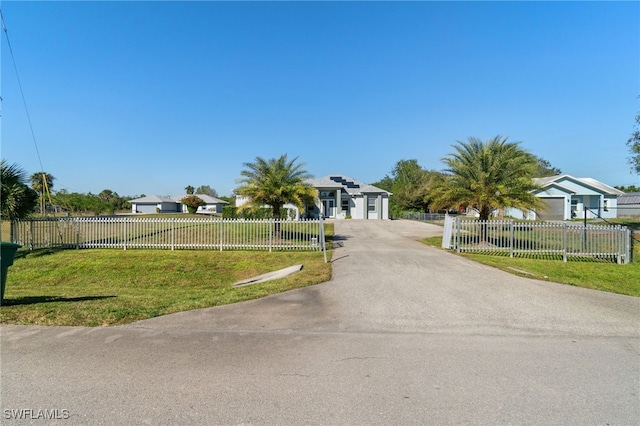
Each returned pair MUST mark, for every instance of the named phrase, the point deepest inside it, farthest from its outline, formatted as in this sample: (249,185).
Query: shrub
(192,202)
(229,212)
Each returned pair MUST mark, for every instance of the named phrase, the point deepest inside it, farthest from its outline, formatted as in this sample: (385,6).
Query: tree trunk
(276,221)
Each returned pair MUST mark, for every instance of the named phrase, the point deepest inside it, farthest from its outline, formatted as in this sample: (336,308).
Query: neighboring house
(157,204)
(341,197)
(629,205)
(565,197)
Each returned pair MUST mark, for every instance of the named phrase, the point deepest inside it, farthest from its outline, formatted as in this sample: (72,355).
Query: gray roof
(206,198)
(629,198)
(350,185)
(592,183)
(152,199)
(155,199)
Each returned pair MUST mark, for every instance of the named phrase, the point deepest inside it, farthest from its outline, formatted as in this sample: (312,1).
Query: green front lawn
(614,278)
(101,287)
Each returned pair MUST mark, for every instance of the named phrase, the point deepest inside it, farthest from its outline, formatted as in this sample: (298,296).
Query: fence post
(564,242)
(511,237)
(628,244)
(78,226)
(273,228)
(324,246)
(31,230)
(458,225)
(173,232)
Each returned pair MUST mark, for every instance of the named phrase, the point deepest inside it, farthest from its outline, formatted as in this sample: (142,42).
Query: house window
(574,208)
(371,204)
(326,194)
(345,204)
(606,205)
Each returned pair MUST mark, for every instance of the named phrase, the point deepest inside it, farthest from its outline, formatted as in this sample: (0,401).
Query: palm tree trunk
(276,221)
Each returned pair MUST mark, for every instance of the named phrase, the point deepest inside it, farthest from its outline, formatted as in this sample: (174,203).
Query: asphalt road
(403,334)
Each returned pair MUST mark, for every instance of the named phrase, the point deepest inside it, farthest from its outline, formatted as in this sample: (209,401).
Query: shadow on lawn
(21,254)
(32,300)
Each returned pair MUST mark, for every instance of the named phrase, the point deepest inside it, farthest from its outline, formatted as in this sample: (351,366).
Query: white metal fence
(423,216)
(169,233)
(539,239)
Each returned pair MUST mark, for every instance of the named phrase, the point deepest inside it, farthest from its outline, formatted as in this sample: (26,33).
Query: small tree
(207,190)
(275,182)
(189,189)
(192,202)
(17,200)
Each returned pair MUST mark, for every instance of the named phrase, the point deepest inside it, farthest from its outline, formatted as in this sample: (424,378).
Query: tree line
(484,175)
(23,196)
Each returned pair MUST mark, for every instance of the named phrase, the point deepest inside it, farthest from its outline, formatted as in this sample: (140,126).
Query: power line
(24,100)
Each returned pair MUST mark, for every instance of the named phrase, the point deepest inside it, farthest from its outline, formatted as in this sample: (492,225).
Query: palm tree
(275,182)
(487,176)
(189,189)
(17,200)
(43,184)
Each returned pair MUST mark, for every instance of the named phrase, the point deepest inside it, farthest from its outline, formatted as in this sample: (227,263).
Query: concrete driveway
(403,334)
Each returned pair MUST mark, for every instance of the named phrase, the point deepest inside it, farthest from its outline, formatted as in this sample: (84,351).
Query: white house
(341,197)
(157,204)
(565,197)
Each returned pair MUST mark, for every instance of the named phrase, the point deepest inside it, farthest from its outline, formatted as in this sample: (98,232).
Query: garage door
(146,208)
(552,210)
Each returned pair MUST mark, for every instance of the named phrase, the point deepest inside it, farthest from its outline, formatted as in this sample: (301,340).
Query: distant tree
(410,185)
(207,190)
(189,189)
(634,147)
(487,176)
(17,200)
(275,182)
(229,199)
(112,200)
(630,188)
(545,168)
(43,184)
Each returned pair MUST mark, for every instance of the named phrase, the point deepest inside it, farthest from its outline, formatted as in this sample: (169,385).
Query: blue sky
(149,97)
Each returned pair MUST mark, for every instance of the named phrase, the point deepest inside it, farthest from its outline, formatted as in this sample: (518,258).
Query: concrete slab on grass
(269,276)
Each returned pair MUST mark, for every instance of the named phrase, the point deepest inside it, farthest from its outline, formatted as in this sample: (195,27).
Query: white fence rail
(539,239)
(423,216)
(169,233)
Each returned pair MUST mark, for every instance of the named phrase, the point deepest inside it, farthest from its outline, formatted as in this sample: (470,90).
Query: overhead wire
(45,185)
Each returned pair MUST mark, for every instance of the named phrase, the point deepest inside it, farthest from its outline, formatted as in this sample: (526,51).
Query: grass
(104,287)
(614,278)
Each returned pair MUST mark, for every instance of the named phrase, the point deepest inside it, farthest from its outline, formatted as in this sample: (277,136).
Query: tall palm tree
(17,200)
(487,176)
(275,182)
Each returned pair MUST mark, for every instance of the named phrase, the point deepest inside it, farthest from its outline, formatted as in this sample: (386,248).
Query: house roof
(629,198)
(350,185)
(154,199)
(204,197)
(589,182)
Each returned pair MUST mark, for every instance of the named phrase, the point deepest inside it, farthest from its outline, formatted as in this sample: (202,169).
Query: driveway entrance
(403,334)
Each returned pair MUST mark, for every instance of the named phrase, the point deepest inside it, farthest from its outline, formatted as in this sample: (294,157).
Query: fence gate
(547,240)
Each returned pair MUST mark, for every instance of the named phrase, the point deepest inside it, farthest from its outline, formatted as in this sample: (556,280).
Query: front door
(329,208)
